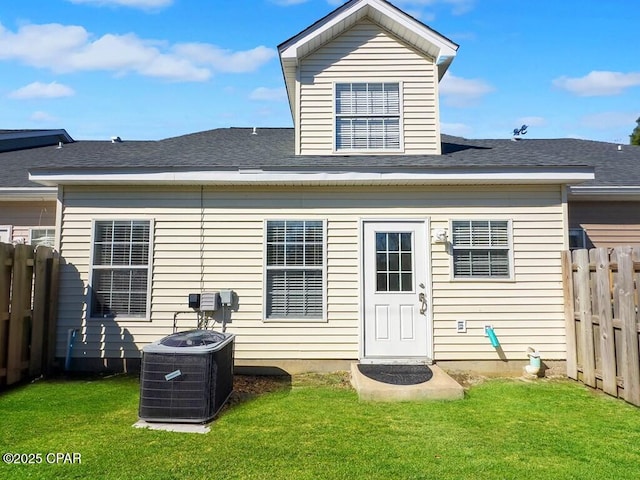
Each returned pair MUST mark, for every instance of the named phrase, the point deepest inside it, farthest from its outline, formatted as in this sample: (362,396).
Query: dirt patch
(467,379)
(246,387)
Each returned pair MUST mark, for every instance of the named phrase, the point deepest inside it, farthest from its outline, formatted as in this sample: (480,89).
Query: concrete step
(440,387)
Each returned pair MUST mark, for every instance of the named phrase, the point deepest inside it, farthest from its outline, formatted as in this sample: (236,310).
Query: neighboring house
(362,234)
(27,210)
(606,212)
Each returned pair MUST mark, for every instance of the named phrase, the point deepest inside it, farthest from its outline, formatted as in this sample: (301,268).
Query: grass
(318,429)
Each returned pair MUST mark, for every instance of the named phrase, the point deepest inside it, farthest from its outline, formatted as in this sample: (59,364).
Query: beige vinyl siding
(366,53)
(23,216)
(607,224)
(525,312)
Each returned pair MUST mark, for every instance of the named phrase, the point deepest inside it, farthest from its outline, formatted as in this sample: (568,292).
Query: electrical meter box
(226,297)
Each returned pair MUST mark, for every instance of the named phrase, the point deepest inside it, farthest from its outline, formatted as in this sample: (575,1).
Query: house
(362,234)
(27,210)
(605,212)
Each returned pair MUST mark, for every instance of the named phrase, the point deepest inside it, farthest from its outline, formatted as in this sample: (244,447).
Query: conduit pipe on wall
(71,338)
(495,343)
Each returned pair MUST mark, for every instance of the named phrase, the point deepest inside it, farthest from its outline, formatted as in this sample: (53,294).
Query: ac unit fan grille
(187,397)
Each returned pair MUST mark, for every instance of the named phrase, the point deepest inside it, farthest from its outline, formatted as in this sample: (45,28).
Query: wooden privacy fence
(28,302)
(602,315)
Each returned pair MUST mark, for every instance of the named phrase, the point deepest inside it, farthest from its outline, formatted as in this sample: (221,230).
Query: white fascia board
(260,177)
(28,194)
(36,133)
(603,193)
(446,48)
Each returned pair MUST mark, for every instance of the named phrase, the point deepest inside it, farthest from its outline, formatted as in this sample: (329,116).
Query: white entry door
(396,310)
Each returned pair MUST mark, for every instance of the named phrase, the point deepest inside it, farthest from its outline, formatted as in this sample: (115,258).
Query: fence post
(41,285)
(52,316)
(6,261)
(630,356)
(569,315)
(20,312)
(584,313)
(605,315)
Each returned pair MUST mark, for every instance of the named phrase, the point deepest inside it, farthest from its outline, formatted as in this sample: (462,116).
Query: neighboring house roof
(14,184)
(11,140)
(403,26)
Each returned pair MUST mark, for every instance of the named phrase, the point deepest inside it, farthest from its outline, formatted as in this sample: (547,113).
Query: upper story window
(367,116)
(481,249)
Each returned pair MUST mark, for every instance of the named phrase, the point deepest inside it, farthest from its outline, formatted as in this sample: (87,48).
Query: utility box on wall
(205,301)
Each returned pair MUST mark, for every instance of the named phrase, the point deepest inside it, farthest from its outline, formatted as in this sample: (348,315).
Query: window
(577,238)
(367,116)
(120,268)
(42,236)
(394,262)
(5,233)
(481,248)
(295,269)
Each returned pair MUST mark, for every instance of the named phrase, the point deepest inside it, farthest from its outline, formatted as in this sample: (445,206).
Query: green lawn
(318,429)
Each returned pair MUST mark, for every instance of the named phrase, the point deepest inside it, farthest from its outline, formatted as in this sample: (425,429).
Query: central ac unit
(186,377)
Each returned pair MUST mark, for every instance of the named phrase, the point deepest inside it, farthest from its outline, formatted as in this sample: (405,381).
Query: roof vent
(619,148)
(255,131)
(116,140)
(59,145)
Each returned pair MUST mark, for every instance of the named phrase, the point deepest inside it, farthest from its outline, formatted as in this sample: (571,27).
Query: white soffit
(604,193)
(261,177)
(28,194)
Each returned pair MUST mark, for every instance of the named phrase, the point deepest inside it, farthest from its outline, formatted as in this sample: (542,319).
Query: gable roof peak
(388,16)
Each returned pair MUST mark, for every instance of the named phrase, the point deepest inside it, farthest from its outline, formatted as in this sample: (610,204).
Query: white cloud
(225,60)
(69,48)
(42,117)
(598,83)
(268,94)
(608,120)
(531,121)
(142,4)
(42,90)
(458,7)
(462,92)
(456,129)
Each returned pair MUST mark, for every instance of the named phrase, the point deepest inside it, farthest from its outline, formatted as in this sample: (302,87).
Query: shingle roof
(11,140)
(272,149)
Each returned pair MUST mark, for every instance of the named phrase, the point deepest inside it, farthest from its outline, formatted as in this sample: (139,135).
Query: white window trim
(334,116)
(88,297)
(509,279)
(322,319)
(44,227)
(9,229)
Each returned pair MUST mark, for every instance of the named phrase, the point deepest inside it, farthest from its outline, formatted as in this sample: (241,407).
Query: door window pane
(394,262)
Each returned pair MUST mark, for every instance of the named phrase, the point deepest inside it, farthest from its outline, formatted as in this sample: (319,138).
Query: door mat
(397,374)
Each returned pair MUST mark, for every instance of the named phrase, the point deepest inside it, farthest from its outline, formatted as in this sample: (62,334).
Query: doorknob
(423,300)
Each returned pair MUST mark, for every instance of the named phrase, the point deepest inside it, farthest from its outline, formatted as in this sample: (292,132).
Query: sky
(153,69)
